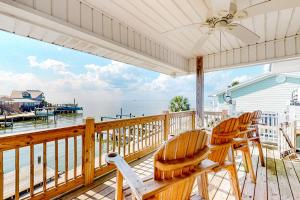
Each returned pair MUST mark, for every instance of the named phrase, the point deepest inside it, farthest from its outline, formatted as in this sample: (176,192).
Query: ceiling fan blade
(269,6)
(210,11)
(200,42)
(232,7)
(178,29)
(242,33)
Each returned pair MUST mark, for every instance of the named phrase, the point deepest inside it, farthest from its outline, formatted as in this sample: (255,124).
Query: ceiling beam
(262,53)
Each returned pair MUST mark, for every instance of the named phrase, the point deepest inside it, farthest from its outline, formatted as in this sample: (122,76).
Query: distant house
(270,93)
(35,95)
(26,100)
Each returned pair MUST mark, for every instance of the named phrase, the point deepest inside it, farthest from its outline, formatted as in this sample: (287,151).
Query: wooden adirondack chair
(245,121)
(254,135)
(176,165)
(221,144)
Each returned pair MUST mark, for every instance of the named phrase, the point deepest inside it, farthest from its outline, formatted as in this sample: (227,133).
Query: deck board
(260,191)
(279,180)
(283,182)
(272,179)
(249,187)
(293,180)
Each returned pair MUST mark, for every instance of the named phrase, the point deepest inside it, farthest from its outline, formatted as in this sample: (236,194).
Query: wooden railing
(179,122)
(41,182)
(60,160)
(211,118)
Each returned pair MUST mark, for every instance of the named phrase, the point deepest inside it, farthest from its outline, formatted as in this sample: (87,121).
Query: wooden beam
(199,92)
(89,151)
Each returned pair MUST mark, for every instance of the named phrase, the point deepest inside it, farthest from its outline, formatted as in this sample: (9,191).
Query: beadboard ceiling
(145,32)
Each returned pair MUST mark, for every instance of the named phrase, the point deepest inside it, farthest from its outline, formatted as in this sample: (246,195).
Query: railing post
(166,125)
(89,151)
(193,120)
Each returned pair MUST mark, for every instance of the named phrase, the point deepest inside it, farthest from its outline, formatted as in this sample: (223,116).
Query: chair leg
(261,154)
(249,164)
(245,162)
(202,182)
(119,186)
(234,181)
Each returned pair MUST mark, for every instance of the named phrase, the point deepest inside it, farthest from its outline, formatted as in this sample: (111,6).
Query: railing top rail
(24,139)
(213,113)
(128,122)
(182,113)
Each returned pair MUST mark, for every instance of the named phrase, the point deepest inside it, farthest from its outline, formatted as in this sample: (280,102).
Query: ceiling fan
(225,20)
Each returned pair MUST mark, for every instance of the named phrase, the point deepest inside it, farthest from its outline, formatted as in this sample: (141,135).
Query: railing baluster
(1,176)
(134,136)
(114,140)
(100,148)
(142,134)
(44,166)
(17,169)
(152,133)
(31,170)
(155,132)
(124,141)
(138,137)
(107,141)
(119,141)
(66,159)
(129,139)
(75,157)
(149,136)
(56,163)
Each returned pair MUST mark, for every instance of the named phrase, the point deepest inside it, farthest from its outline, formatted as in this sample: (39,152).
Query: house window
(25,94)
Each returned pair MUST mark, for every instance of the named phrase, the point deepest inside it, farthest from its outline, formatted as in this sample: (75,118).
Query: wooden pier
(17,117)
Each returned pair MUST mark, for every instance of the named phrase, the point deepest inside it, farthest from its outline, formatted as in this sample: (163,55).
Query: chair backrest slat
(223,133)
(245,120)
(185,145)
(256,116)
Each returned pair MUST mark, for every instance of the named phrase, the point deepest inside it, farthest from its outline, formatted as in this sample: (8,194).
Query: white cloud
(52,64)
(114,68)
(165,83)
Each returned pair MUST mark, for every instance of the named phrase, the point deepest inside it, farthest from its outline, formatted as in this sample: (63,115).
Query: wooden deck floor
(280,179)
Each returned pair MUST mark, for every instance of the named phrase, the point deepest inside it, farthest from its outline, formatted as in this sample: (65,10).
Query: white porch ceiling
(134,31)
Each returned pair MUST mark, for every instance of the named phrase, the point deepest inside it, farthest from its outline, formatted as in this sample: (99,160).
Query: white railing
(269,131)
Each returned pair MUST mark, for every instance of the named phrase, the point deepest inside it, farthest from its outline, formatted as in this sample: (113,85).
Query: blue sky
(100,85)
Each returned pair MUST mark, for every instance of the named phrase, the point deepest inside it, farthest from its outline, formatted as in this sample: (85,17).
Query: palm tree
(179,103)
(234,83)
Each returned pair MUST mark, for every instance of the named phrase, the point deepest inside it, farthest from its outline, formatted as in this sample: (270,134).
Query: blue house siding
(260,85)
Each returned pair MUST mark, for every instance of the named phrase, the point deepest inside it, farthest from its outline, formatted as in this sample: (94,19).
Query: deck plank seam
(276,174)
(287,177)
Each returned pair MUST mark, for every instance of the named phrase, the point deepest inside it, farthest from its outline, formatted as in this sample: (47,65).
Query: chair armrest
(214,147)
(136,184)
(154,187)
(239,140)
(243,133)
(263,124)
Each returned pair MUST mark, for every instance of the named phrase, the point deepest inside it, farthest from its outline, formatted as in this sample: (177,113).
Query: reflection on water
(31,125)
